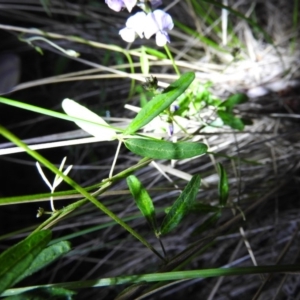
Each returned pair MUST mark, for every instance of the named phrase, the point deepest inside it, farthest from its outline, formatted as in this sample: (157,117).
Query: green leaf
(204,208)
(53,293)
(160,102)
(207,224)
(74,109)
(230,120)
(45,257)
(155,52)
(164,149)
(142,200)
(144,62)
(46,6)
(181,206)
(15,260)
(233,101)
(223,186)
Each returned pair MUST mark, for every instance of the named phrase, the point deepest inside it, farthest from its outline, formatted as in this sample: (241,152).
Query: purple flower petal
(155,3)
(115,5)
(163,20)
(158,23)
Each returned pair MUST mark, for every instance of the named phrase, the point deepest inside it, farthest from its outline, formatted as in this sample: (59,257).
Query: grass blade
(165,276)
(181,206)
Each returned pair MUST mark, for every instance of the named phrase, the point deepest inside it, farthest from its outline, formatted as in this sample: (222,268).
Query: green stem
(172,59)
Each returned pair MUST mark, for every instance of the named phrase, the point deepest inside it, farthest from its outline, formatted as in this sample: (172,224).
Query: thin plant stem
(172,60)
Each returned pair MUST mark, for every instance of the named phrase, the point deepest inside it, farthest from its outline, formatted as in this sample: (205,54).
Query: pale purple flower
(134,26)
(155,3)
(170,129)
(144,5)
(158,22)
(173,108)
(117,5)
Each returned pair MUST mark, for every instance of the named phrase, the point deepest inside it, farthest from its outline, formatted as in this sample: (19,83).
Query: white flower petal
(151,26)
(130,4)
(157,21)
(162,38)
(127,34)
(137,23)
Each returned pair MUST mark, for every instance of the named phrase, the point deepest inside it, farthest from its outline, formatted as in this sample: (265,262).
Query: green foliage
(45,257)
(142,200)
(181,206)
(233,100)
(155,52)
(52,293)
(160,102)
(144,62)
(223,186)
(46,5)
(225,111)
(164,149)
(204,208)
(18,258)
(208,223)
(230,120)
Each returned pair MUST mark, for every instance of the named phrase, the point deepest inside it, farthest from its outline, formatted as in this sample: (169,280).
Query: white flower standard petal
(137,22)
(134,26)
(158,22)
(165,19)
(151,26)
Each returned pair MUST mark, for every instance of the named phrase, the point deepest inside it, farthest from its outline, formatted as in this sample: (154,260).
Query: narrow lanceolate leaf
(73,109)
(234,100)
(229,119)
(45,257)
(160,102)
(15,260)
(164,149)
(181,206)
(142,200)
(223,186)
(208,223)
(204,208)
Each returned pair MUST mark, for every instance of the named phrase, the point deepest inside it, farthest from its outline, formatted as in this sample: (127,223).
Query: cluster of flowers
(145,23)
